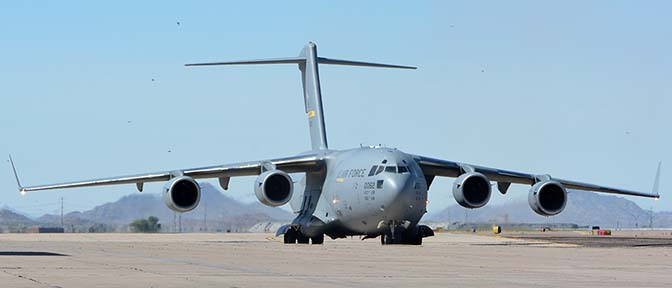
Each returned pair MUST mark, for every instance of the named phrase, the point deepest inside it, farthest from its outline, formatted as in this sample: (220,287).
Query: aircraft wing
(296,164)
(438,167)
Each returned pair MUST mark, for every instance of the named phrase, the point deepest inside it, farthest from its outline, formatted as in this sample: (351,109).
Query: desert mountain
(227,214)
(223,213)
(11,221)
(583,208)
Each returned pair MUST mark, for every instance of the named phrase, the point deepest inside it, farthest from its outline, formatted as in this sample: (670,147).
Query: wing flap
(438,167)
(447,168)
(598,188)
(131,179)
(297,164)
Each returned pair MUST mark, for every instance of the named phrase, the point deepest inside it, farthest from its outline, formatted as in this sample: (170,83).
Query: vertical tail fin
(308,64)
(312,94)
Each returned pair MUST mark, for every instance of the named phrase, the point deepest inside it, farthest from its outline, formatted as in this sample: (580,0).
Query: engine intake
(274,188)
(472,190)
(547,198)
(182,194)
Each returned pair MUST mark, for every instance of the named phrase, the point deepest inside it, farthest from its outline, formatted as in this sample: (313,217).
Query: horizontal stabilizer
(308,63)
(301,60)
(323,60)
(289,60)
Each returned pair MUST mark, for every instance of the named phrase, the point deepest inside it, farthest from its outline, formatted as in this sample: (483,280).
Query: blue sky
(580,90)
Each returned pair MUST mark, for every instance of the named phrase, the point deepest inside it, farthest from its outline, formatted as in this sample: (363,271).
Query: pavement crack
(23,277)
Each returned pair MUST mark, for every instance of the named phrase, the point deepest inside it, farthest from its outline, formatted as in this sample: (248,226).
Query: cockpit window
(392,169)
(380,169)
(402,169)
(373,170)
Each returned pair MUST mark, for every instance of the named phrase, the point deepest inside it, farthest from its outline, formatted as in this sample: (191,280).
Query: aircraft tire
(302,239)
(290,237)
(318,239)
(388,240)
(417,240)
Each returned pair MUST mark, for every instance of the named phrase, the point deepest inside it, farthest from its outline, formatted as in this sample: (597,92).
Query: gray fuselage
(365,189)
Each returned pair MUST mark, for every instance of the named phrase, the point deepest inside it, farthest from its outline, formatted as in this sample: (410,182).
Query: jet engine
(182,194)
(273,188)
(547,198)
(472,190)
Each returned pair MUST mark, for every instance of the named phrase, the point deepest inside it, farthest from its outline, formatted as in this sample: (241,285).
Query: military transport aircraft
(370,191)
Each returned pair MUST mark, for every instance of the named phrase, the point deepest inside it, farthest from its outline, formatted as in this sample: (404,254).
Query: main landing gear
(396,235)
(400,238)
(293,236)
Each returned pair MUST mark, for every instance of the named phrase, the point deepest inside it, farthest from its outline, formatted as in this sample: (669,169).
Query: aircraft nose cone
(393,191)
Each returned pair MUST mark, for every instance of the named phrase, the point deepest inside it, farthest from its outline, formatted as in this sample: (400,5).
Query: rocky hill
(11,221)
(583,208)
(227,214)
(223,214)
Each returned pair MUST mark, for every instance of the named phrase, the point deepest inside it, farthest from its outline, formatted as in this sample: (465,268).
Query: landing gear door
(297,197)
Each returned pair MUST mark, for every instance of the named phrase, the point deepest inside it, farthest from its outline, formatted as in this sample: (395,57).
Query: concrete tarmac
(260,260)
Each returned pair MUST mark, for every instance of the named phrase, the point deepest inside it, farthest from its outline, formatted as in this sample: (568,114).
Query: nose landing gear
(400,238)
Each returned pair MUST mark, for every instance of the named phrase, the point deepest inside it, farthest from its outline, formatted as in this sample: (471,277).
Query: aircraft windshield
(377,169)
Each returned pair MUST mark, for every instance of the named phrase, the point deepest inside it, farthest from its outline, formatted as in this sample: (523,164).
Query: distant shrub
(100,228)
(149,225)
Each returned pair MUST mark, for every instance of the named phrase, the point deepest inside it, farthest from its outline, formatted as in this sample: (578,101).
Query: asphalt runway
(260,260)
(619,239)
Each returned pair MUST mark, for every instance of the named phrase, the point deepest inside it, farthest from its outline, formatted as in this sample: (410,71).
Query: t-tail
(310,76)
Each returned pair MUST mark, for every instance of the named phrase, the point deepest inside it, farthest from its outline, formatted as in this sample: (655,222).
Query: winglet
(16,176)
(656,182)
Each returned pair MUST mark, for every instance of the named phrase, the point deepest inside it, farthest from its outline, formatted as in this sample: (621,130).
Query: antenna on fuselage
(307,61)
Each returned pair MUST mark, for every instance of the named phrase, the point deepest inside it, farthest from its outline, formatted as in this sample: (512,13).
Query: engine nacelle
(182,194)
(472,190)
(274,188)
(547,198)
